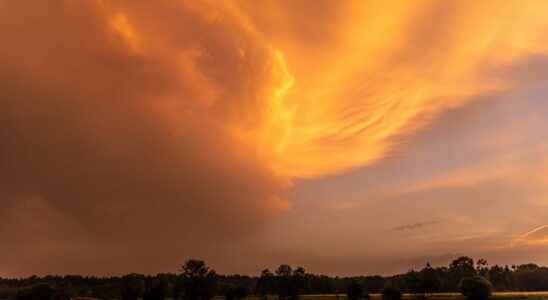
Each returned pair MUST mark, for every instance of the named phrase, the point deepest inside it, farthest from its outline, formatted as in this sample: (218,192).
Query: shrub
(236,293)
(37,292)
(354,291)
(476,288)
(391,293)
(62,294)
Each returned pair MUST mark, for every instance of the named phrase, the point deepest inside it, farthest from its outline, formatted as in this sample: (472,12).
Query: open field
(434,296)
(441,296)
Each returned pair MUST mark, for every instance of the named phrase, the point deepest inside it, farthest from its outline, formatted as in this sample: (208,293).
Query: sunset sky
(349,137)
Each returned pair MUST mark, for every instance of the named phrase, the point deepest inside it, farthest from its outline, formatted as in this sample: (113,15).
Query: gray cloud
(414,226)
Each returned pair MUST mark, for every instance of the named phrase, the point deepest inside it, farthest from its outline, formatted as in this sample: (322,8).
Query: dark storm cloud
(111,150)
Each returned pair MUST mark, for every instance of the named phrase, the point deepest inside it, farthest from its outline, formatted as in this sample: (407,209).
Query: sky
(347,137)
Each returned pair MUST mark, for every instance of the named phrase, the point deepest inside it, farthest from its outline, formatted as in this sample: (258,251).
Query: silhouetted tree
(460,268)
(482,267)
(157,291)
(23,294)
(37,292)
(290,283)
(463,266)
(476,288)
(236,293)
(501,278)
(177,291)
(354,291)
(531,277)
(284,271)
(133,286)
(391,292)
(284,283)
(430,281)
(299,281)
(62,294)
(413,282)
(287,282)
(199,281)
(266,284)
(375,283)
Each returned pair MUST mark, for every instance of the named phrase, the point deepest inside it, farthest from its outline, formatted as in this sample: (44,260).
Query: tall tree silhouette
(285,284)
(199,281)
(266,283)
(460,268)
(430,281)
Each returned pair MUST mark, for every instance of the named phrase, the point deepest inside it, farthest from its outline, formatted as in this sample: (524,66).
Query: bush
(391,293)
(62,294)
(37,292)
(236,293)
(476,288)
(354,291)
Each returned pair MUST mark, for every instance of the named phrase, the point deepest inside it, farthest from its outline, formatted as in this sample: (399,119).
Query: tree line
(196,281)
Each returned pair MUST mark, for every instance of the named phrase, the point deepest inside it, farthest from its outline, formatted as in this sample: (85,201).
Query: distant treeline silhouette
(197,281)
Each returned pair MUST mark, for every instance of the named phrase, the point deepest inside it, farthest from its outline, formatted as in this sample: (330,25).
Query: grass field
(435,296)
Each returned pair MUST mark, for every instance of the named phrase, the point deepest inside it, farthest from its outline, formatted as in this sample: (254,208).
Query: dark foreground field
(433,296)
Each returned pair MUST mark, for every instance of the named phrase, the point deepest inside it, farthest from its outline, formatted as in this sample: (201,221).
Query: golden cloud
(202,112)
(386,70)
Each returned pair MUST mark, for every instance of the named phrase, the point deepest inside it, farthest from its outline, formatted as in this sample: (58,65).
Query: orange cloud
(139,118)
(120,117)
(389,69)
